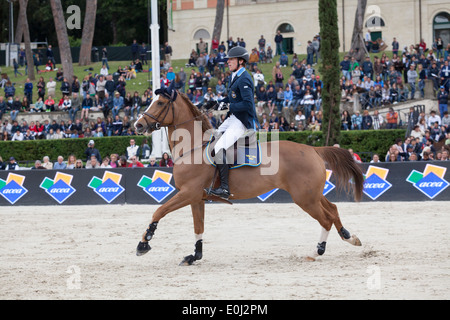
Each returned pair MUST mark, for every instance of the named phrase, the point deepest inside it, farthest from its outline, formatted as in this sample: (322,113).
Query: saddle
(246,151)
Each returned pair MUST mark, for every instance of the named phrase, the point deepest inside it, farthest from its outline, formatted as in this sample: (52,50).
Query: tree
(331,93)
(63,39)
(219,19)
(357,48)
(26,35)
(88,32)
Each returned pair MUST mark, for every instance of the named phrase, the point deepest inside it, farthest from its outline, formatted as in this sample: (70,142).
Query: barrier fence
(407,181)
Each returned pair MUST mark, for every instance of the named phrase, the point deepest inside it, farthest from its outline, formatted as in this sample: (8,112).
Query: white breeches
(232,129)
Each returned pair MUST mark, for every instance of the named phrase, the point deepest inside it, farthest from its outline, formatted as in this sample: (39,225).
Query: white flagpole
(159,137)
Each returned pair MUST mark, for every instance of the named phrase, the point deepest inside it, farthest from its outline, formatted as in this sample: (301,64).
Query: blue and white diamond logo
(159,190)
(374,186)
(109,190)
(431,185)
(328,187)
(13,191)
(60,191)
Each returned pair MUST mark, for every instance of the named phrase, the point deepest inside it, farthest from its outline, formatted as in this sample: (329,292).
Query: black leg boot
(222,191)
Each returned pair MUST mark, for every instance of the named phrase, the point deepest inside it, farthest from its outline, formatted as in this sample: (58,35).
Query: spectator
(37,165)
(46,163)
(355,156)
(288,96)
(17,136)
(118,103)
(122,163)
(375,158)
(391,119)
(92,151)
(345,68)
(60,164)
(86,105)
(71,162)
(412,77)
(117,126)
(113,161)
(442,97)
(153,163)
(15,108)
(166,161)
(135,163)
(105,163)
(357,121)
(51,87)
(49,104)
(432,119)
(93,163)
(366,121)
(12,164)
(284,61)
(133,149)
(79,164)
(417,132)
(346,121)
(278,42)
(29,135)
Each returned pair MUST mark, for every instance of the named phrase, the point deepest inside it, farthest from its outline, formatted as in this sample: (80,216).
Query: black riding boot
(222,191)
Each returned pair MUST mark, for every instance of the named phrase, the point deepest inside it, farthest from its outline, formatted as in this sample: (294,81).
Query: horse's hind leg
(331,210)
(326,214)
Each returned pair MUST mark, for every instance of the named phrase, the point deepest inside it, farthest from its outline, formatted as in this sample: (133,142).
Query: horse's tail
(346,169)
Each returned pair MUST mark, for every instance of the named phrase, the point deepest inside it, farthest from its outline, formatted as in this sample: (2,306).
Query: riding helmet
(238,52)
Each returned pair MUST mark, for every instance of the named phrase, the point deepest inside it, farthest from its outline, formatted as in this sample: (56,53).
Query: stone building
(298,21)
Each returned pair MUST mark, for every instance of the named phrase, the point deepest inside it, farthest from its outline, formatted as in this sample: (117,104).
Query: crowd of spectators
(290,104)
(383,81)
(287,104)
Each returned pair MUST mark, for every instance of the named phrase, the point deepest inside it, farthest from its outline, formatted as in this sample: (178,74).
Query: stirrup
(225,194)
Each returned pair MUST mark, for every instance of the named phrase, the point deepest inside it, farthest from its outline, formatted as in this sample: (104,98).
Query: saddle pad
(246,156)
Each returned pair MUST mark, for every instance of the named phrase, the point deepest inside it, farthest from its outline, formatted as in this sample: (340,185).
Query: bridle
(156,125)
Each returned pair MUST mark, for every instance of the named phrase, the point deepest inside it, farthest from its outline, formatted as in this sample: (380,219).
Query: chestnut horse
(300,170)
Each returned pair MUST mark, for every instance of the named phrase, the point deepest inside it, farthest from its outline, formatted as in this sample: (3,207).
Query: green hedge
(368,141)
(37,149)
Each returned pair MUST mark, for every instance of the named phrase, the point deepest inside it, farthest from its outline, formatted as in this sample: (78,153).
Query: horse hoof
(354,240)
(187,261)
(142,248)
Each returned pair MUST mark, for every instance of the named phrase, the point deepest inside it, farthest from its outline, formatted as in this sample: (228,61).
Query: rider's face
(233,64)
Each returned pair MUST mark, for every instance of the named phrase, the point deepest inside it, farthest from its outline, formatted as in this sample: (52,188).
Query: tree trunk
(329,49)
(217,31)
(357,48)
(88,33)
(63,39)
(114,30)
(19,26)
(26,34)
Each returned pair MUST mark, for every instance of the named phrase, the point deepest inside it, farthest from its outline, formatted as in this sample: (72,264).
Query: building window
(286,28)
(441,27)
(375,22)
(201,33)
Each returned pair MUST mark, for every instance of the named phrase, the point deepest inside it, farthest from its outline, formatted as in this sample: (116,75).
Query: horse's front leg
(198,214)
(180,200)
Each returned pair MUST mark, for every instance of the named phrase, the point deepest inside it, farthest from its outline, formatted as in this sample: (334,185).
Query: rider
(241,115)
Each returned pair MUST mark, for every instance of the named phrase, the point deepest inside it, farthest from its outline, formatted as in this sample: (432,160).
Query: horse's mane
(206,125)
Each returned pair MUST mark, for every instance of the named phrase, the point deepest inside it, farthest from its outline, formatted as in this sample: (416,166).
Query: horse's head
(159,114)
